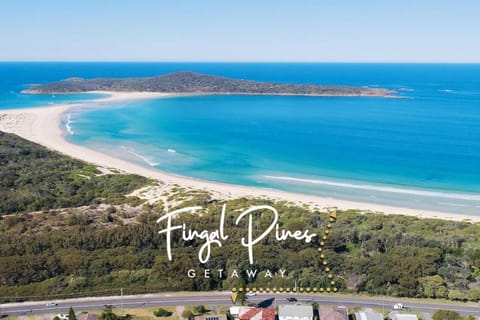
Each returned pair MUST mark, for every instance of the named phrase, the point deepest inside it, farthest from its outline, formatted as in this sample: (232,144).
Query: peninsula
(196,83)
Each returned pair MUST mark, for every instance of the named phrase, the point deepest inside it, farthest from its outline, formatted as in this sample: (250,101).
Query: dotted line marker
(332,284)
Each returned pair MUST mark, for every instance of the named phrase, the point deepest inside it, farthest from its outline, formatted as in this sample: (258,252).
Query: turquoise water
(420,151)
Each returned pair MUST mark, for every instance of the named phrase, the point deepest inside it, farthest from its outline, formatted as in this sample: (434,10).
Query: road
(214,298)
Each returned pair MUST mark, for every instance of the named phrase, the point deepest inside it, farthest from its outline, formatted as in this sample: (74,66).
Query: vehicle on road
(399,306)
(291,299)
(251,294)
(51,304)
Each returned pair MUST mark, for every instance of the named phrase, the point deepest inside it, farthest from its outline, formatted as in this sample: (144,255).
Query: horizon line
(233,61)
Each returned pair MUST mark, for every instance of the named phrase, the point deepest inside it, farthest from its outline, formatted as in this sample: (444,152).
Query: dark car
(291,299)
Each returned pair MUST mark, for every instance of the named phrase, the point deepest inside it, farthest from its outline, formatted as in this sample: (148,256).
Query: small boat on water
(172,150)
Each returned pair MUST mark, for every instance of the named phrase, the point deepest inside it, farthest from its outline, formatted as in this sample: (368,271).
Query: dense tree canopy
(34,178)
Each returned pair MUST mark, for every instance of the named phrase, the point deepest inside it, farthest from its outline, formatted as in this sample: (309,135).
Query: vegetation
(200,309)
(192,312)
(188,314)
(373,253)
(108,314)
(160,312)
(190,82)
(33,178)
(71,314)
(446,315)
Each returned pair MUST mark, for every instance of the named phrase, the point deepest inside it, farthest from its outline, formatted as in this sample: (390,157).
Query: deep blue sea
(421,150)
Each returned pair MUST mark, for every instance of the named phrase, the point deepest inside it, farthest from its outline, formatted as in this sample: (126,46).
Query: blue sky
(243,30)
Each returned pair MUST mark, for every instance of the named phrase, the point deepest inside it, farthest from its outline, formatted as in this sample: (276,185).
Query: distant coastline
(197,84)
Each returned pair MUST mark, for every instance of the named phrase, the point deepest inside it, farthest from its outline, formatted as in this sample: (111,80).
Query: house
(258,314)
(402,316)
(332,313)
(368,316)
(295,312)
(235,311)
(250,313)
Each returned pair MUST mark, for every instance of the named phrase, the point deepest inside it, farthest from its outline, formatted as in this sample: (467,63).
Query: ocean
(420,150)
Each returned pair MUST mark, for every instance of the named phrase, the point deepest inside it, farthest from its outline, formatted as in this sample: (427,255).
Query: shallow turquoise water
(421,151)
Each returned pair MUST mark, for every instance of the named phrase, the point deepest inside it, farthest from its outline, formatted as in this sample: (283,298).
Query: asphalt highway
(215,298)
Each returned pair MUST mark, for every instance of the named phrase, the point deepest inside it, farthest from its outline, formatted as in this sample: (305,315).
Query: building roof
(403,316)
(235,310)
(257,314)
(332,313)
(295,311)
(368,316)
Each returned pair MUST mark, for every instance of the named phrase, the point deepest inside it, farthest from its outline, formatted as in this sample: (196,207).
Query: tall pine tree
(71,314)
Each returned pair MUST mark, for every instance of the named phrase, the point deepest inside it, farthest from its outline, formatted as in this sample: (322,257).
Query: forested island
(69,229)
(196,83)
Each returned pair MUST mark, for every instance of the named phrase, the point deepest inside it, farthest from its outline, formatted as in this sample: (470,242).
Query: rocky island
(196,83)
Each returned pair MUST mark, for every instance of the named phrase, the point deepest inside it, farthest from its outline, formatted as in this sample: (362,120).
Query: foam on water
(388,189)
(68,125)
(141,157)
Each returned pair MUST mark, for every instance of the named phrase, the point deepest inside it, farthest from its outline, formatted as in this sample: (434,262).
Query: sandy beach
(42,125)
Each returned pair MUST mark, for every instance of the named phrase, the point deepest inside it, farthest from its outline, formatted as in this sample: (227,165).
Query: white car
(251,294)
(399,306)
(51,304)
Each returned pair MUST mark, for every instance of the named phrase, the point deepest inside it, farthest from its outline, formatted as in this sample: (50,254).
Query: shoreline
(194,93)
(36,125)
